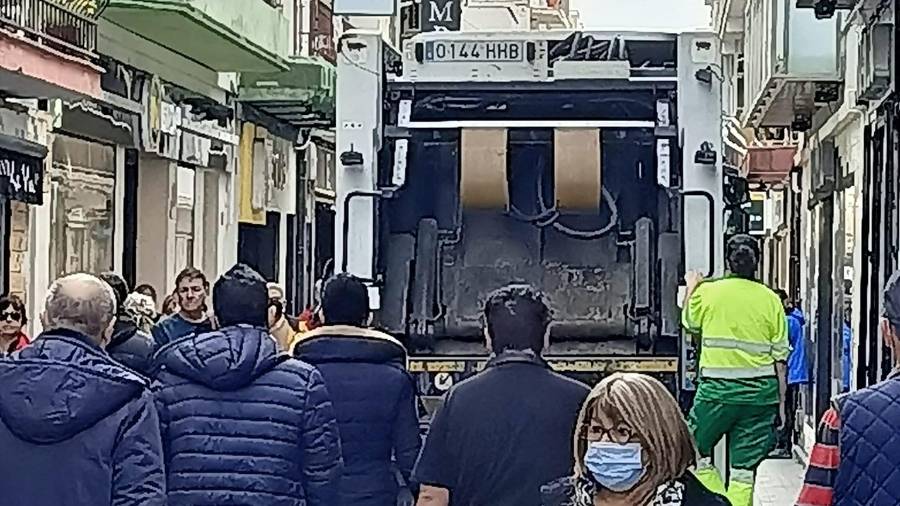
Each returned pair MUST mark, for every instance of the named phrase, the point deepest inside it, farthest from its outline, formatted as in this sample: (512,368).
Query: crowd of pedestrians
(230,401)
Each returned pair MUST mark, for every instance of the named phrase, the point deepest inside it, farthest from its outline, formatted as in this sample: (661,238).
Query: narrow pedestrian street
(321,252)
(778,483)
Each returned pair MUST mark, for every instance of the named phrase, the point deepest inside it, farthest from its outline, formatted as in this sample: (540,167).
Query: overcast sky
(659,15)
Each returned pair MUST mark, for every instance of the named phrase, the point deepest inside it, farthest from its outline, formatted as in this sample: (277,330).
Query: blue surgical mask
(616,467)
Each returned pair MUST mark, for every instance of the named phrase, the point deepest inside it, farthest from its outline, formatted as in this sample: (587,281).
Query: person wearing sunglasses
(12,321)
(632,448)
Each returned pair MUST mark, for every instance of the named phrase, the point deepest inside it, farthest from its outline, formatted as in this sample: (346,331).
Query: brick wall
(18,249)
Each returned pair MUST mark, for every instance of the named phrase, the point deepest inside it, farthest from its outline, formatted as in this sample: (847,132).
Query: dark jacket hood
(798,315)
(226,359)
(60,386)
(123,330)
(132,347)
(342,343)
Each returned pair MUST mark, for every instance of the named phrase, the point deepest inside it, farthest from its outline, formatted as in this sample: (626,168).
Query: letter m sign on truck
(441,15)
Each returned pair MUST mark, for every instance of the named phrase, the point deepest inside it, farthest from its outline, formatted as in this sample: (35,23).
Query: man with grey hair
(76,427)
(857,450)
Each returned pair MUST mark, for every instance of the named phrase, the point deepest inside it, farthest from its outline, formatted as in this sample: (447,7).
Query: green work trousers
(750,435)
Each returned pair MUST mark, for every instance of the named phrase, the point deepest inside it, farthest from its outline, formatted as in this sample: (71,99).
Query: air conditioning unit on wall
(876,57)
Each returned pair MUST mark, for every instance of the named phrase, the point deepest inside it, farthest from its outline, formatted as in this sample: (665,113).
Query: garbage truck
(587,164)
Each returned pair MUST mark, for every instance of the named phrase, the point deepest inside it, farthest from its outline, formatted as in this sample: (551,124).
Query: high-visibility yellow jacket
(742,328)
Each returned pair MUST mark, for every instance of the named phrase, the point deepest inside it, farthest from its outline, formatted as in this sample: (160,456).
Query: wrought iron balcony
(51,24)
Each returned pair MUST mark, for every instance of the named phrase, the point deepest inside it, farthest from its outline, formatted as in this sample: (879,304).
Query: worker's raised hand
(693,278)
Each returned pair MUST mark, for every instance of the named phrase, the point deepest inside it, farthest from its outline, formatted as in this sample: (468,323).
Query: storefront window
(83,181)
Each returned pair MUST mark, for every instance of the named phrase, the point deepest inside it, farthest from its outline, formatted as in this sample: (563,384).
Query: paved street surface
(778,482)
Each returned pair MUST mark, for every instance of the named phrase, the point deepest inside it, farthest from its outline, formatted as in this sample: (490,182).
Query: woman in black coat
(129,345)
(632,447)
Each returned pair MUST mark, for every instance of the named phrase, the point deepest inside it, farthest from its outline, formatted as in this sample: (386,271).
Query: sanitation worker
(743,343)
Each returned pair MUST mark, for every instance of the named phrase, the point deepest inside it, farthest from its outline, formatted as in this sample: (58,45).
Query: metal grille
(52,24)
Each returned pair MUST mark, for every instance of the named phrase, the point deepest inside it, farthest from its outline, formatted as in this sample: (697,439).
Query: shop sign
(441,15)
(151,121)
(321,37)
(280,153)
(252,190)
(756,210)
(21,177)
(159,123)
(210,129)
(170,118)
(195,149)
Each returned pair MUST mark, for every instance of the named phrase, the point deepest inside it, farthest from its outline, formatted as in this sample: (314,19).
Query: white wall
(380,24)
(486,17)
(646,15)
(39,248)
(229,208)
(119,210)
(156,224)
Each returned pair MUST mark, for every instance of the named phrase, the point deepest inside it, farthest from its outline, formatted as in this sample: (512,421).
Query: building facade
(818,78)
(126,145)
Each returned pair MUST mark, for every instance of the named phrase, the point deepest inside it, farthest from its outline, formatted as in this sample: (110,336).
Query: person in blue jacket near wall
(241,422)
(191,292)
(377,417)
(798,372)
(76,427)
(846,351)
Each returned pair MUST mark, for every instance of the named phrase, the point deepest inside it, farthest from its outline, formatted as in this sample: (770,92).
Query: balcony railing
(51,24)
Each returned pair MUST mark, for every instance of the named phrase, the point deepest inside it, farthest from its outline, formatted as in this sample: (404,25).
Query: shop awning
(302,96)
(22,170)
(769,164)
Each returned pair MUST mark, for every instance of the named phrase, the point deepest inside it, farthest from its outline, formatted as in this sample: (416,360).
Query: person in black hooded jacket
(374,396)
(241,422)
(76,427)
(129,345)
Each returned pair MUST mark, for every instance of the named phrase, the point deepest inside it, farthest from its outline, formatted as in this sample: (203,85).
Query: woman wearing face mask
(632,448)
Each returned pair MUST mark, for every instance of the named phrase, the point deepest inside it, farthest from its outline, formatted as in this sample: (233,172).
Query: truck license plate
(473,51)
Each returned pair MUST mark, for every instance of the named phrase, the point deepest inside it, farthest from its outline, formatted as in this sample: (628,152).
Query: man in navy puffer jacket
(241,423)
(374,395)
(77,428)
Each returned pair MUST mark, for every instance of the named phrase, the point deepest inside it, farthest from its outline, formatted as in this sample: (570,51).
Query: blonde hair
(645,405)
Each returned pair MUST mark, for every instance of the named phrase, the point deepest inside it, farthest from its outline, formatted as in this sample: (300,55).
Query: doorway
(258,246)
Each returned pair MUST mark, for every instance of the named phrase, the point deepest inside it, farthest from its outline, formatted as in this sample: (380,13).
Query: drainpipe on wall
(297,294)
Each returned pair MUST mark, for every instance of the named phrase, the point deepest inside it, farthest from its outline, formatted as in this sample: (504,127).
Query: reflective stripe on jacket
(742,328)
